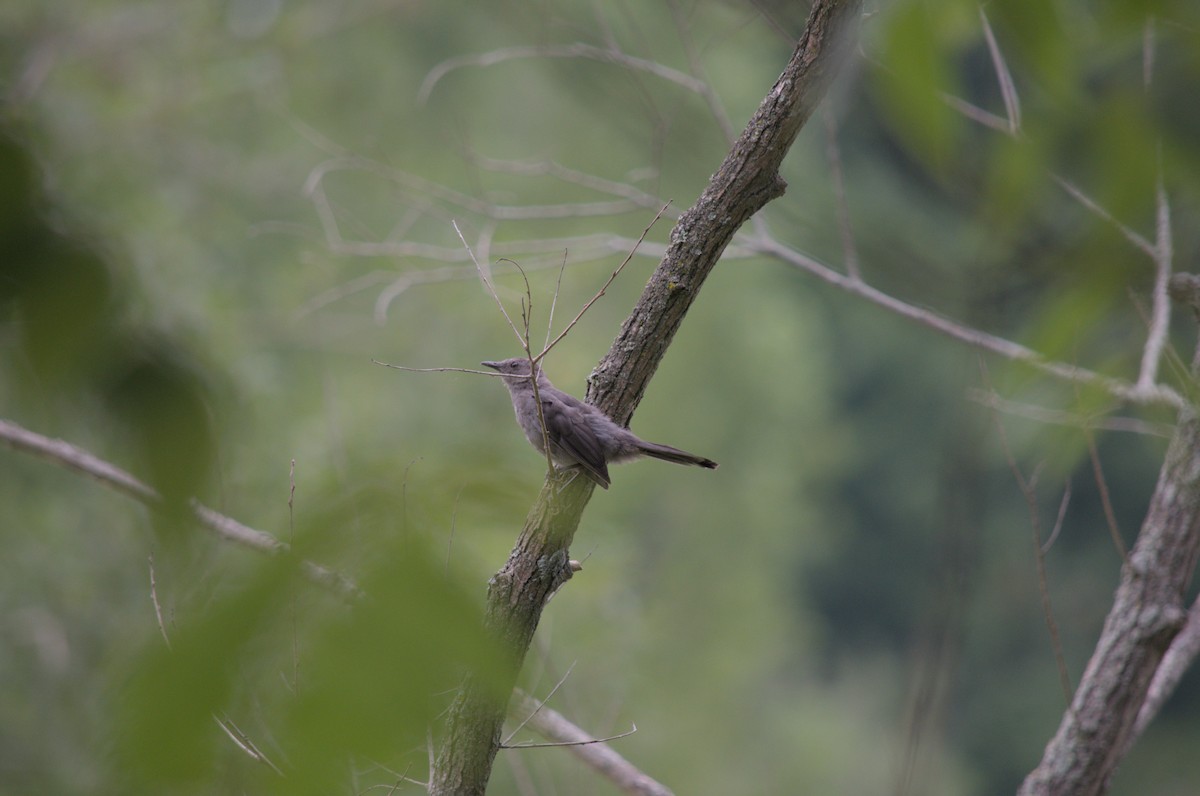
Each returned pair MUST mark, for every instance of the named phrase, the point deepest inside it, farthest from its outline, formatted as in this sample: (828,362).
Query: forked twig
(605,286)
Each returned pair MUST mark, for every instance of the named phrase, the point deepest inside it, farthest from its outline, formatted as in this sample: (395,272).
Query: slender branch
(1137,240)
(1028,491)
(598,754)
(74,458)
(833,154)
(1110,516)
(550,168)
(696,67)
(1155,394)
(488,284)
(612,277)
(1160,309)
(577,50)
(1008,90)
(1059,417)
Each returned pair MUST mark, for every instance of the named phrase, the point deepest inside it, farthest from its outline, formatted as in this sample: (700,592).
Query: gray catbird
(579,434)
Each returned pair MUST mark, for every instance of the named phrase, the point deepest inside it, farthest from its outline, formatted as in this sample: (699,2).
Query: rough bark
(538,564)
(1148,611)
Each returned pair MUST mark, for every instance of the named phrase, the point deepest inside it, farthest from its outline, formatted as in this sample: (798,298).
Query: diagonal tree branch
(1146,615)
(538,564)
(81,461)
(600,756)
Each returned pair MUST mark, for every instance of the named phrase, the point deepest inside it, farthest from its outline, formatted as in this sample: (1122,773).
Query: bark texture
(1148,611)
(538,564)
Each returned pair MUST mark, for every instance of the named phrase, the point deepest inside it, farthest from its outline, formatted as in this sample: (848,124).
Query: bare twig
(488,284)
(541,703)
(603,287)
(1110,516)
(577,50)
(1137,240)
(554,301)
(549,168)
(976,114)
(833,154)
(1028,491)
(1059,417)
(1157,394)
(244,743)
(595,753)
(1160,308)
(75,458)
(1008,90)
(436,370)
(158,614)
(1058,521)
(696,67)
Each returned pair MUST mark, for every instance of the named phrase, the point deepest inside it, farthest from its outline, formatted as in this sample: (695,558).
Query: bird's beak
(492,365)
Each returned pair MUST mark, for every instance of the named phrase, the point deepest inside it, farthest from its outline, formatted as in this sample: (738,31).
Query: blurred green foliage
(201,206)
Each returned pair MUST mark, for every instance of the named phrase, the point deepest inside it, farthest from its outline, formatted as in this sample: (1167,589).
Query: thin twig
(554,301)
(541,703)
(436,370)
(244,743)
(81,461)
(158,614)
(1060,417)
(1058,521)
(1008,90)
(605,286)
(833,154)
(550,168)
(583,742)
(1158,394)
(1110,516)
(696,67)
(976,114)
(577,50)
(1035,523)
(1091,204)
(1160,308)
(602,758)
(488,284)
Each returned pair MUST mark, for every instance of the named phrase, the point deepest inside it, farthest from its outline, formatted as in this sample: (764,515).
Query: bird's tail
(669,454)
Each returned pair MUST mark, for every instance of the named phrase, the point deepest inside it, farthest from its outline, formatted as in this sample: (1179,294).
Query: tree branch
(552,725)
(1146,616)
(538,564)
(74,458)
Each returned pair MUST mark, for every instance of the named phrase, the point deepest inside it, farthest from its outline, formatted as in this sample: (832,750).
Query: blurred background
(217,214)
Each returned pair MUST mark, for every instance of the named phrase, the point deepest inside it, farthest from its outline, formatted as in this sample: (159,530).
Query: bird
(580,435)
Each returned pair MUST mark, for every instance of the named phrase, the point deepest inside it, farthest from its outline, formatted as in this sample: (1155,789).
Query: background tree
(887,594)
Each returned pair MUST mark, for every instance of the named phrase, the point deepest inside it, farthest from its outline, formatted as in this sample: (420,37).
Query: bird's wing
(574,437)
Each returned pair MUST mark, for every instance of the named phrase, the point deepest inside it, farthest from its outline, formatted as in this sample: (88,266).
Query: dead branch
(74,458)
(601,757)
